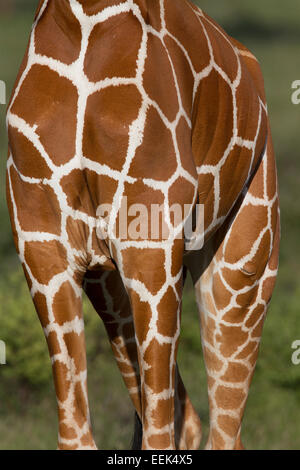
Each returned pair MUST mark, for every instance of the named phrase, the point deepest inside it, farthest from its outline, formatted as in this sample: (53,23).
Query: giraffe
(153,102)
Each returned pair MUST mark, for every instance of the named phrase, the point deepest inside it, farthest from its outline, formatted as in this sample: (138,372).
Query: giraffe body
(148,101)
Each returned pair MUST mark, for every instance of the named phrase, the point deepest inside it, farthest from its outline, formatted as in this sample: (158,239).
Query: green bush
(26,350)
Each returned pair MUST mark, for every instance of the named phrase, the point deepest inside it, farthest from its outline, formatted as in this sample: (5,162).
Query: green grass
(272,419)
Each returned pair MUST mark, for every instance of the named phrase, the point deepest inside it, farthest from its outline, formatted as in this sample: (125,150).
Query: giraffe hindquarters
(233,294)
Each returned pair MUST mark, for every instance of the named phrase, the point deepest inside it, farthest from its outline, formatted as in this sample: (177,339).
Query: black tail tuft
(138,434)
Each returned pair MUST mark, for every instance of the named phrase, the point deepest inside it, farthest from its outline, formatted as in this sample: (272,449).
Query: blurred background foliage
(271,29)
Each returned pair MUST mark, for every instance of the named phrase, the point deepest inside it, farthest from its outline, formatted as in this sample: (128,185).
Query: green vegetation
(272,421)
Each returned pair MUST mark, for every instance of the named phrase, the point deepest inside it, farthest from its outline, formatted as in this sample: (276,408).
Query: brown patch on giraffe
(234,315)
(217,440)
(257,332)
(237,279)
(157,378)
(256,315)
(183,137)
(235,372)
(180,193)
(184,75)
(150,259)
(66,432)
(151,15)
(112,52)
(66,305)
(159,415)
(26,157)
(271,186)
(167,314)
(233,176)
(163,92)
(145,312)
(209,329)
(222,296)
(40,303)
(212,360)
(86,439)
(86,190)
(58,33)
(50,102)
(246,299)
(247,350)
(178,24)
(257,184)
(228,424)
(267,289)
(262,255)
(78,233)
(246,95)
(253,358)
(101,188)
(250,222)
(274,259)
(80,414)
(212,120)
(53,343)
(76,349)
(53,251)
(11,211)
(229,398)
(27,276)
(103,142)
(176,257)
(159,441)
(274,220)
(155,158)
(32,200)
(93,7)
(206,196)
(230,339)
(62,384)
(146,216)
(224,54)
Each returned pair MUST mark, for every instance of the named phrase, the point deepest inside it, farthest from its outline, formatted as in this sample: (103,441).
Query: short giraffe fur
(153,101)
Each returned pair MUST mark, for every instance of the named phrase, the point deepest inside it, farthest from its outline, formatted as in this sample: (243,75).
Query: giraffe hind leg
(233,294)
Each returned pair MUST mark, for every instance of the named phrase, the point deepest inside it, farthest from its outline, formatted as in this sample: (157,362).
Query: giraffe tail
(138,433)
